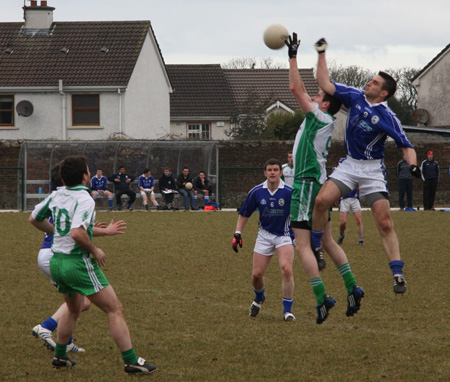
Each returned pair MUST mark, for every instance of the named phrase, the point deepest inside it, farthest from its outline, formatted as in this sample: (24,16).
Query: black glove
(237,240)
(293,45)
(414,170)
(321,45)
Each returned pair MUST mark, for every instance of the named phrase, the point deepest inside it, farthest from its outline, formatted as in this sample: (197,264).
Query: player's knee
(286,271)
(86,304)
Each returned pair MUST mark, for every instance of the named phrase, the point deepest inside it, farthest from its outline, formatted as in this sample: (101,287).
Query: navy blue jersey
(99,184)
(48,239)
(273,208)
(146,182)
(368,125)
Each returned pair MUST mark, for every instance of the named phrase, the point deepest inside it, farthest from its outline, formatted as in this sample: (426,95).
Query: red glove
(237,240)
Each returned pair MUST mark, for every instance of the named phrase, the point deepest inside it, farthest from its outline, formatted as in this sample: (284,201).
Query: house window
(86,109)
(199,131)
(6,110)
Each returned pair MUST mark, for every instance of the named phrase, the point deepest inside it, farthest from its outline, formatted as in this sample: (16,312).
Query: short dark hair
(335,104)
(272,162)
(72,169)
(121,167)
(390,85)
(55,179)
(146,170)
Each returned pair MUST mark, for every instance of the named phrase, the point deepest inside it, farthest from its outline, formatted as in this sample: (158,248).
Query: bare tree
(253,63)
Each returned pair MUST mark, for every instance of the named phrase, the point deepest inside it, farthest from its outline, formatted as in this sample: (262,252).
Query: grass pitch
(186,296)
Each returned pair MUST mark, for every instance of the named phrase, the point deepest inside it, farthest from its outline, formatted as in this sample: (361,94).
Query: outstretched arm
(296,84)
(323,76)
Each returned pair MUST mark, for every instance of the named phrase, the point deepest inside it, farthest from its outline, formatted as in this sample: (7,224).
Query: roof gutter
(55,89)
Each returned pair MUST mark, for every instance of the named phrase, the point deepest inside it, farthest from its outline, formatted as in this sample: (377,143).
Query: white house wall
(109,119)
(147,99)
(178,129)
(44,123)
(434,92)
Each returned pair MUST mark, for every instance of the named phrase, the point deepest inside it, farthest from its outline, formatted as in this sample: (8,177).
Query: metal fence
(38,158)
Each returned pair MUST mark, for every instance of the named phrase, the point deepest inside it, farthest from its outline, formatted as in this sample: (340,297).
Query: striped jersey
(368,125)
(70,207)
(311,145)
(288,174)
(273,208)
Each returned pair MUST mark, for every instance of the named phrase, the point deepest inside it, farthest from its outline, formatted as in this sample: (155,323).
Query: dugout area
(30,181)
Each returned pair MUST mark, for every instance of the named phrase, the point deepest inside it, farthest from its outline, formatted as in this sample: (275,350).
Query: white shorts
(368,175)
(349,205)
(267,243)
(147,190)
(44,256)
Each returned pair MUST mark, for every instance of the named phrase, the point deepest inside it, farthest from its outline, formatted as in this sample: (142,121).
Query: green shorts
(77,274)
(304,193)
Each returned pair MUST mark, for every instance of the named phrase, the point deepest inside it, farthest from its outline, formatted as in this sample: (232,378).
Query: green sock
(318,289)
(60,350)
(129,356)
(348,277)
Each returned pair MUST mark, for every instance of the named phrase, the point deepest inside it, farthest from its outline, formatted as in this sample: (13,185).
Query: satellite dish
(24,108)
(421,116)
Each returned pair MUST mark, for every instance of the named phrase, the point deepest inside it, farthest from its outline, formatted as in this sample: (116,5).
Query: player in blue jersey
(273,200)
(99,186)
(146,185)
(310,152)
(350,203)
(370,121)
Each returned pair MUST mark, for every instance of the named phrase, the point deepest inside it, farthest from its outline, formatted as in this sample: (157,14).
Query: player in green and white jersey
(310,151)
(288,170)
(75,271)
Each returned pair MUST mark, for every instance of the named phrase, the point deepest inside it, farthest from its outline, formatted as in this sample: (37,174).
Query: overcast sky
(375,35)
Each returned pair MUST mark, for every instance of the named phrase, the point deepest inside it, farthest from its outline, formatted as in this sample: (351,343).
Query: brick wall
(241,168)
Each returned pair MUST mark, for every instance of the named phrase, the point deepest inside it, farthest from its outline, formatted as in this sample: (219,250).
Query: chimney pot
(33,3)
(43,3)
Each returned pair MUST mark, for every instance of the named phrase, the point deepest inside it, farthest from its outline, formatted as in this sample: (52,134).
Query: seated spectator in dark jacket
(202,187)
(185,188)
(121,182)
(167,187)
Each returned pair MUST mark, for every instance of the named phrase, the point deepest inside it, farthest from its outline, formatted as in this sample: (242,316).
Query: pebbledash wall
(241,162)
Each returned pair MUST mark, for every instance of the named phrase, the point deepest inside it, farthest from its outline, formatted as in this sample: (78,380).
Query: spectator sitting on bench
(99,186)
(146,184)
(168,188)
(182,180)
(202,187)
(122,182)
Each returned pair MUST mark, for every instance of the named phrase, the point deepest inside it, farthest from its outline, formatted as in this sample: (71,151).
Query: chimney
(38,17)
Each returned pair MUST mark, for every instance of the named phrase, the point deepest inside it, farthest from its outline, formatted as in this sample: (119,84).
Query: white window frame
(198,130)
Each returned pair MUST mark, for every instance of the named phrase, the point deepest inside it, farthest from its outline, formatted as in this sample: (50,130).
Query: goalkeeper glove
(237,240)
(293,45)
(321,45)
(414,170)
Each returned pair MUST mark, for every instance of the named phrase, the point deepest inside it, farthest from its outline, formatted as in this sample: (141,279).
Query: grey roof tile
(37,60)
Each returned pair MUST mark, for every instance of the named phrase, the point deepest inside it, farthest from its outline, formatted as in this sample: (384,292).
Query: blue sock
(316,238)
(259,295)
(50,324)
(70,341)
(397,267)
(287,305)
(110,202)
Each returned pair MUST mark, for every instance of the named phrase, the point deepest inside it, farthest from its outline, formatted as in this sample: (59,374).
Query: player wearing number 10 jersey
(75,272)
